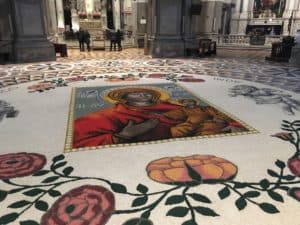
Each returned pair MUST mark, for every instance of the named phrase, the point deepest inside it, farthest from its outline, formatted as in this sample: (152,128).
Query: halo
(163,95)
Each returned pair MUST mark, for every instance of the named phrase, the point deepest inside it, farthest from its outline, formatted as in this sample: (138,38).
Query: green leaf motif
(193,174)
(285,188)
(239,185)
(118,188)
(251,194)
(175,199)
(8,218)
(58,158)
(33,192)
(54,193)
(29,222)
(41,173)
(241,203)
(178,211)
(200,198)
(272,173)
(67,171)
(280,164)
(139,201)
(19,204)
(264,184)
(41,205)
(205,211)
(268,208)
(13,191)
(190,222)
(289,177)
(3,195)
(58,165)
(224,193)
(50,179)
(142,189)
(146,214)
(275,196)
(285,121)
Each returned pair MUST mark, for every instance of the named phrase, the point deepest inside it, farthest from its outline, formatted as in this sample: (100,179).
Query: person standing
(113,40)
(87,39)
(80,37)
(119,39)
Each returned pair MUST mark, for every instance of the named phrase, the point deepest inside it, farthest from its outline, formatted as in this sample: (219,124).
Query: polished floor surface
(248,174)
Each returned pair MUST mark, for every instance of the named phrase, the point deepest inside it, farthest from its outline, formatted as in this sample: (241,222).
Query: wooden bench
(206,47)
(61,48)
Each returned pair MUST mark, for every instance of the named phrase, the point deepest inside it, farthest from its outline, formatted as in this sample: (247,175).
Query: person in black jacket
(87,39)
(113,40)
(80,37)
(119,39)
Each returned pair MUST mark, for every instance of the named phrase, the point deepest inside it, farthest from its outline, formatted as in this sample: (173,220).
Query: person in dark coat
(87,39)
(80,37)
(119,39)
(113,40)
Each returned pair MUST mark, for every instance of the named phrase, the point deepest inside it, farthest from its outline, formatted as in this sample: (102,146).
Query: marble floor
(65,160)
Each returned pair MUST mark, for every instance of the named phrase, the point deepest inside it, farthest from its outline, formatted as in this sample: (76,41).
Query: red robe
(98,128)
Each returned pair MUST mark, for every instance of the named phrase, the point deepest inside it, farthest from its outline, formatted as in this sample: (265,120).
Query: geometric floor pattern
(249,179)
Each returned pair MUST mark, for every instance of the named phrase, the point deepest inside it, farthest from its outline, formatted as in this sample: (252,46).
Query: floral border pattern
(180,173)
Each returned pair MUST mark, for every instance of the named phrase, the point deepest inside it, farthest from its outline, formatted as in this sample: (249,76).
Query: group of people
(115,37)
(115,40)
(84,37)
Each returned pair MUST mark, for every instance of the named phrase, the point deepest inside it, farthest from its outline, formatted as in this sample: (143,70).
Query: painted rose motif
(175,169)
(156,75)
(20,164)
(294,166)
(41,87)
(92,205)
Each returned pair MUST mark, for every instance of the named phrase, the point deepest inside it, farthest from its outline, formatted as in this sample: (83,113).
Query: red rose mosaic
(20,164)
(85,205)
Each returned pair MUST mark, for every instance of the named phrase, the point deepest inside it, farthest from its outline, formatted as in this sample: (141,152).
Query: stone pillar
(288,13)
(166,28)
(234,28)
(60,15)
(244,17)
(6,32)
(51,17)
(117,14)
(189,36)
(30,44)
(140,21)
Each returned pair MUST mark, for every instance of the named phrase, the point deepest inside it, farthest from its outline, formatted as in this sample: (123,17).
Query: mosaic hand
(132,130)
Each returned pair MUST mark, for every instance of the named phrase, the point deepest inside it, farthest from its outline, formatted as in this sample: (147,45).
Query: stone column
(234,28)
(296,22)
(51,20)
(188,34)
(244,17)
(117,14)
(60,15)
(287,14)
(166,28)
(140,21)
(30,44)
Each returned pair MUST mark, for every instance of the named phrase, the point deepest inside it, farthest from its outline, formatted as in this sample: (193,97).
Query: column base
(159,48)
(34,51)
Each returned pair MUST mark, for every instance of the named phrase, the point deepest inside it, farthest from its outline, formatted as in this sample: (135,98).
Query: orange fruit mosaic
(174,170)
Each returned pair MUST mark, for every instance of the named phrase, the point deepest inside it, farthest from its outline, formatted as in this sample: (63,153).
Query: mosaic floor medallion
(107,116)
